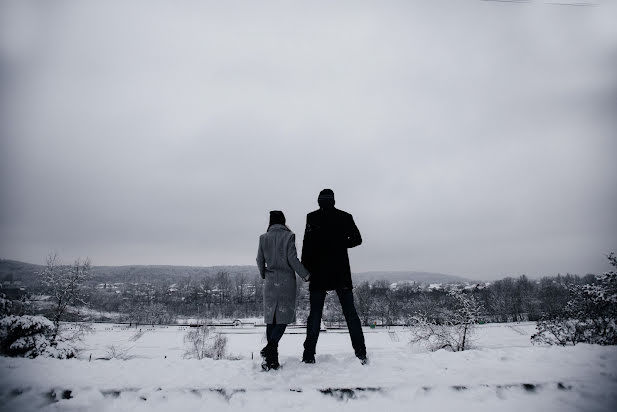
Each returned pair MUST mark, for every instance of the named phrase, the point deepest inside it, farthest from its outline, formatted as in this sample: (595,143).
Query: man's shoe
(308,359)
(363,360)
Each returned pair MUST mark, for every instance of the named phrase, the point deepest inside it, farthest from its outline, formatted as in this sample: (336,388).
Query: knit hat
(277,218)
(326,198)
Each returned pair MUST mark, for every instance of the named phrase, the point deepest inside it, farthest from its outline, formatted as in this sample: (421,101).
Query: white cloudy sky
(465,136)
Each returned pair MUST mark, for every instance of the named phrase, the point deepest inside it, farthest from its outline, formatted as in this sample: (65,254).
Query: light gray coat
(278,263)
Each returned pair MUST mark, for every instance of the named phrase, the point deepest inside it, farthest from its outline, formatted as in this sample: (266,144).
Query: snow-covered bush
(556,331)
(448,329)
(118,352)
(201,343)
(30,336)
(590,315)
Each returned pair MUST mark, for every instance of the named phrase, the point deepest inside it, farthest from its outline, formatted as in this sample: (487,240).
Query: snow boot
(273,362)
(270,358)
(265,354)
(264,366)
(308,357)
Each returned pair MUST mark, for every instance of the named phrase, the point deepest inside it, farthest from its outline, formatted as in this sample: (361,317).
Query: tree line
(228,295)
(505,300)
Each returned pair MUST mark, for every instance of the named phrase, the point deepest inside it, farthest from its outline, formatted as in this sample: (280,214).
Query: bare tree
(453,328)
(65,285)
(157,313)
(332,312)
(503,299)
(364,302)
(240,280)
(224,285)
(387,306)
(206,287)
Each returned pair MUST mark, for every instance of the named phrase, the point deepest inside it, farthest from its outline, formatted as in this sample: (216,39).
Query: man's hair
(326,198)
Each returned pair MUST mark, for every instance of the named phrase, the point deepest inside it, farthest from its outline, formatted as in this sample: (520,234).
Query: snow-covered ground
(504,373)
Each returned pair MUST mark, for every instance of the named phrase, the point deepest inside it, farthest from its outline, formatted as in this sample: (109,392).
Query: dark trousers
(345,297)
(274,333)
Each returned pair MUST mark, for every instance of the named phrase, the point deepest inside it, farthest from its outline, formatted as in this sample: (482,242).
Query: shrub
(219,346)
(590,316)
(30,336)
(202,343)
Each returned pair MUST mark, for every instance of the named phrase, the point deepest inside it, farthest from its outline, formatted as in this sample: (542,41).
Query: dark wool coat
(329,233)
(278,264)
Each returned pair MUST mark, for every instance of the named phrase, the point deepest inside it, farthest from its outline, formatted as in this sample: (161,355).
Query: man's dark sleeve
(306,245)
(353,234)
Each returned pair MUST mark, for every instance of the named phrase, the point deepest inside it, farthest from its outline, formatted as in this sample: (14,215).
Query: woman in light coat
(278,264)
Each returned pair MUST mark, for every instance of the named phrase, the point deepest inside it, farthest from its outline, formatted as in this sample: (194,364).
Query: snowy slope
(504,373)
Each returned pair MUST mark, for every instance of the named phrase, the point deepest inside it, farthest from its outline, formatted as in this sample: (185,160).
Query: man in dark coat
(329,233)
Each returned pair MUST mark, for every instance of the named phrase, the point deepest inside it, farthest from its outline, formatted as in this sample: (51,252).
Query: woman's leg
(269,328)
(274,333)
(277,333)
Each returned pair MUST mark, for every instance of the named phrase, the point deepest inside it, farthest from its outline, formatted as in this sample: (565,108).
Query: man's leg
(345,297)
(313,323)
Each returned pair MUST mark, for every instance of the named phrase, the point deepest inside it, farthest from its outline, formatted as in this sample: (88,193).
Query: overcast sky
(476,138)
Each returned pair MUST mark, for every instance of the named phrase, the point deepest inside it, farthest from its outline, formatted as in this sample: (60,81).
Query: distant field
(160,341)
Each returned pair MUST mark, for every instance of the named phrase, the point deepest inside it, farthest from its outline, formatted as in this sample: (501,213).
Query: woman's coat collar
(278,227)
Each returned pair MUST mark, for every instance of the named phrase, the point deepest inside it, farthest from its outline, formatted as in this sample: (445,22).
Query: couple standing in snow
(325,264)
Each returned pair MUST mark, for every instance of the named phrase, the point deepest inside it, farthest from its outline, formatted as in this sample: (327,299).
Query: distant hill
(401,276)
(148,273)
(15,270)
(27,272)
